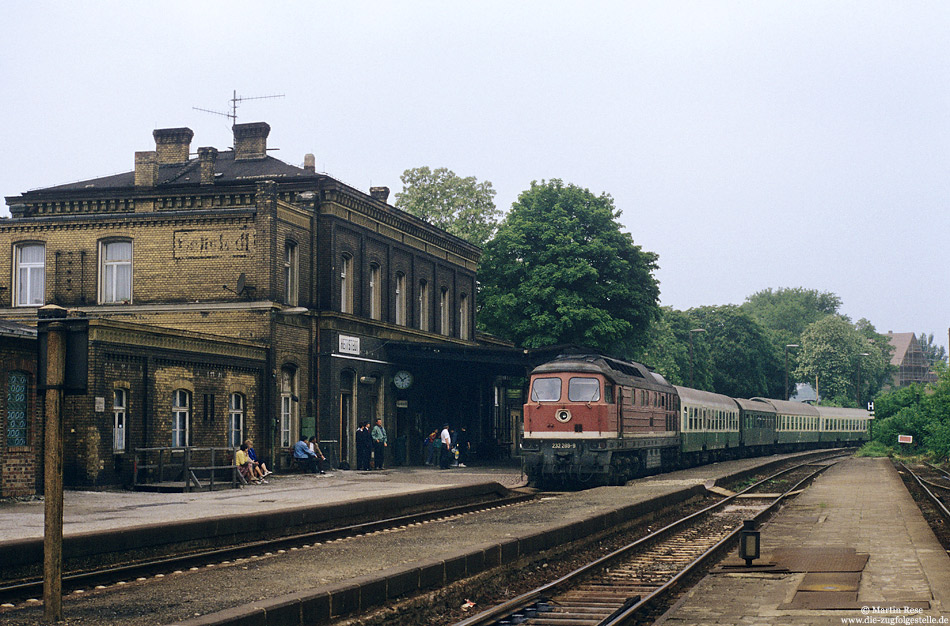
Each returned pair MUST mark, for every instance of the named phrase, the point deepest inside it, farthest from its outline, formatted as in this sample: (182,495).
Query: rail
(185,465)
(537,601)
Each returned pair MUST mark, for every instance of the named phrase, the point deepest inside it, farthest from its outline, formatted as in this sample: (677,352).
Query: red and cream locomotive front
(570,405)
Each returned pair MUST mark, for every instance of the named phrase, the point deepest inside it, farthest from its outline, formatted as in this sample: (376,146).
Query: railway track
(935,484)
(20,590)
(624,586)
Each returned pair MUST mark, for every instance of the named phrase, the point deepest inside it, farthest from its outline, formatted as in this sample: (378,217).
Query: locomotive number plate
(557,446)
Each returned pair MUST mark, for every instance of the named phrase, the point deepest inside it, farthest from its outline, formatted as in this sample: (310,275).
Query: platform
(852,546)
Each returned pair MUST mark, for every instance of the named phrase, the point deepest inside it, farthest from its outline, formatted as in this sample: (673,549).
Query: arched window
(18,426)
(115,272)
(346,284)
(463,317)
(235,420)
(445,312)
(375,293)
(30,262)
(288,406)
(181,417)
(401,299)
(120,407)
(423,305)
(290,273)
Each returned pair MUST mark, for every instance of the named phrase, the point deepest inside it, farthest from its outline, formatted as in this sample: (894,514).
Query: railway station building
(231,296)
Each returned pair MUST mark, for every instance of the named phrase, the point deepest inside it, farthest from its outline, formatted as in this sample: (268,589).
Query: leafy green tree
(921,411)
(560,270)
(787,312)
(742,360)
(461,206)
(833,352)
(668,350)
(933,352)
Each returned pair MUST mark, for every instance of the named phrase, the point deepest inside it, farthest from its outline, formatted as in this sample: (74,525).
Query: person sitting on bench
(305,456)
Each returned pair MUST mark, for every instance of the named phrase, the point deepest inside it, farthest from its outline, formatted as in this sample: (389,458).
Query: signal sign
(905,439)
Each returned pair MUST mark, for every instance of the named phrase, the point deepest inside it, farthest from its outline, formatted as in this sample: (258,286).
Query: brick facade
(237,252)
(21,449)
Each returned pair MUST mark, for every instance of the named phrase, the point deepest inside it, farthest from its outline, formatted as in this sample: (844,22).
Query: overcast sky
(749,144)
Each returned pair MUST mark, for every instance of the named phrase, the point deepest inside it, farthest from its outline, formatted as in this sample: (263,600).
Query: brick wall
(20,466)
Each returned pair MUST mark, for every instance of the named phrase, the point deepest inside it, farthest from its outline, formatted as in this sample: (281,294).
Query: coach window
(401,299)
(120,406)
(583,390)
(17,407)
(30,262)
(290,273)
(115,272)
(181,417)
(546,390)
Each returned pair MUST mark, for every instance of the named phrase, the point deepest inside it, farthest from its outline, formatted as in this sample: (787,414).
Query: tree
(932,352)
(462,206)
(786,312)
(668,347)
(560,270)
(742,361)
(833,352)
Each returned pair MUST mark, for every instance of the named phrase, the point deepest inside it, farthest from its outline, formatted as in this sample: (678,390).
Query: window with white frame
(423,305)
(375,293)
(181,417)
(463,317)
(346,284)
(401,299)
(115,272)
(120,406)
(445,318)
(290,273)
(235,420)
(30,264)
(288,406)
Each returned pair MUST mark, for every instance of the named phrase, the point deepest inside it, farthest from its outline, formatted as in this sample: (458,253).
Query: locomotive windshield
(546,390)
(583,390)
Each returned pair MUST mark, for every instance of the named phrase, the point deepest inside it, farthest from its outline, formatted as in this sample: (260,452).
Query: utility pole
(52,318)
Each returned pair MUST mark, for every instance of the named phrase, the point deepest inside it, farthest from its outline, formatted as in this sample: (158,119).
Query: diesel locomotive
(592,419)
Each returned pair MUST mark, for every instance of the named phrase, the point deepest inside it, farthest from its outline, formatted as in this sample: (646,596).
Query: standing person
(304,455)
(380,442)
(430,447)
(364,447)
(464,445)
(445,456)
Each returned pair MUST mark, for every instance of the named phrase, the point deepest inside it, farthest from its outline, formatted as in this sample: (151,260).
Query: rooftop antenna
(235,99)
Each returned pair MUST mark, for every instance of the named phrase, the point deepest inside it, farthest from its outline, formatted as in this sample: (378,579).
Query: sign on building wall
(209,244)
(349,345)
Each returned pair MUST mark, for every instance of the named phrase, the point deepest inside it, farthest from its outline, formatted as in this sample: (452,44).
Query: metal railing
(187,465)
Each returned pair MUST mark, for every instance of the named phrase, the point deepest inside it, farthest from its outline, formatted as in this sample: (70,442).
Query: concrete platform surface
(86,511)
(859,504)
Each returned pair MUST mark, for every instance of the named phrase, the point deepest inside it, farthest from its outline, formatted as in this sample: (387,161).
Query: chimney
(172,144)
(206,159)
(250,140)
(379,193)
(146,168)
(309,163)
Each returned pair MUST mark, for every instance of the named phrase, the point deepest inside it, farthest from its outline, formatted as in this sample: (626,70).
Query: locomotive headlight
(562,415)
